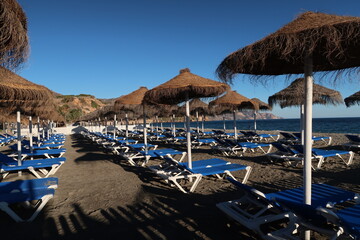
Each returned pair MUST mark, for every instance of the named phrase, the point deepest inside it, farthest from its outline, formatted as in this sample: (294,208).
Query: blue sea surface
(321,125)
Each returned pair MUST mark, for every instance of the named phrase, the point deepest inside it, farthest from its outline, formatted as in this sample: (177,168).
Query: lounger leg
(247,175)
(5,207)
(43,200)
(32,170)
(321,160)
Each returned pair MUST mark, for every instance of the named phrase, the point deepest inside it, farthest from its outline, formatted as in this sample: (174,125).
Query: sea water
(321,125)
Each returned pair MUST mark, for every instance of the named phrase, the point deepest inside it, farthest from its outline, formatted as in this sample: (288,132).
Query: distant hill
(72,107)
(246,115)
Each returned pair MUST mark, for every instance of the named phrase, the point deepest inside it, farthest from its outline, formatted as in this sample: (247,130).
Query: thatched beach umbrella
(132,102)
(293,95)
(14,42)
(261,106)
(182,88)
(312,42)
(352,99)
(18,94)
(232,102)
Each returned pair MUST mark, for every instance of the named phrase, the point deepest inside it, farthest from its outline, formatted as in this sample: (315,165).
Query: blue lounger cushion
(218,169)
(205,163)
(322,194)
(25,185)
(161,152)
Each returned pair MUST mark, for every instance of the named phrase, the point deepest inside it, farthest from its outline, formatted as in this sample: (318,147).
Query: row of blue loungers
(172,167)
(42,161)
(283,211)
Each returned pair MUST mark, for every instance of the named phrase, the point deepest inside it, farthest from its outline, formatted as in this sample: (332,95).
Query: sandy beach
(100,196)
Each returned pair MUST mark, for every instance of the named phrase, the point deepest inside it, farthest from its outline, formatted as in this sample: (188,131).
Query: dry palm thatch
(232,101)
(14,43)
(332,41)
(294,95)
(261,105)
(19,94)
(353,99)
(184,86)
(131,101)
(196,105)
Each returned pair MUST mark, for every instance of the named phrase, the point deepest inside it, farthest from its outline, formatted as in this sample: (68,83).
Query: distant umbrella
(232,102)
(353,99)
(294,95)
(14,42)
(261,106)
(184,87)
(312,42)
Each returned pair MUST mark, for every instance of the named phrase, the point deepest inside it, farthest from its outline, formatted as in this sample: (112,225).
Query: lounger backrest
(288,136)
(353,138)
(307,213)
(280,147)
(25,185)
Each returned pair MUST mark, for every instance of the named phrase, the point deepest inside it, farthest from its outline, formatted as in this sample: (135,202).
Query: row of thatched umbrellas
(313,42)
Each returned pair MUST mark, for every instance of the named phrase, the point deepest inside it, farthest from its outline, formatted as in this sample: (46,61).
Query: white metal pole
(126,127)
(308,128)
(188,136)
(18,139)
(145,129)
(235,130)
(302,123)
(31,134)
(174,127)
(197,122)
(114,126)
(255,127)
(203,124)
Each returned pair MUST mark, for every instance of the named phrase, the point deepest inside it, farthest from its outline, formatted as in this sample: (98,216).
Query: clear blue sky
(110,48)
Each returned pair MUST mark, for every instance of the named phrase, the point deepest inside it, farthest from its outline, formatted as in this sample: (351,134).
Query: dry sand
(100,196)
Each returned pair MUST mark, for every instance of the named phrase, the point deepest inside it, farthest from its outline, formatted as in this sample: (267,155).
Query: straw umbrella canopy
(262,106)
(14,42)
(18,94)
(232,102)
(293,95)
(312,42)
(352,99)
(182,88)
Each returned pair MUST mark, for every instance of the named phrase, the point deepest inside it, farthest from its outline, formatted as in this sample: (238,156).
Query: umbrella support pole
(114,126)
(255,127)
(308,132)
(235,130)
(302,124)
(188,136)
(18,140)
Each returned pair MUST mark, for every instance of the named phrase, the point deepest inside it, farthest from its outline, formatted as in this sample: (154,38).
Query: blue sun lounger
(48,153)
(26,191)
(176,172)
(255,209)
(330,222)
(322,154)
